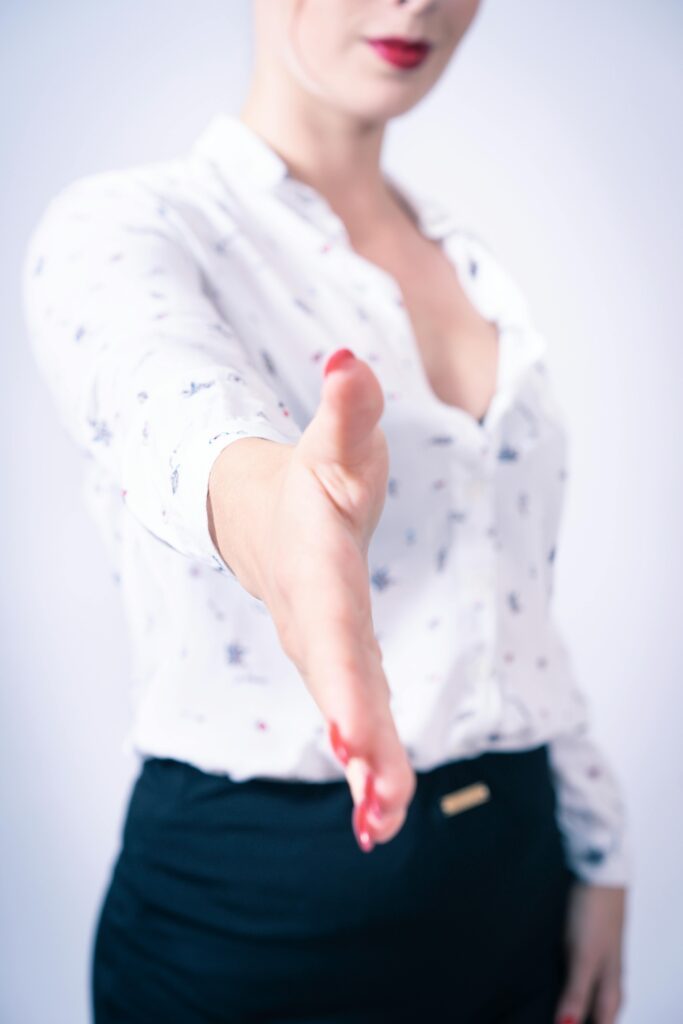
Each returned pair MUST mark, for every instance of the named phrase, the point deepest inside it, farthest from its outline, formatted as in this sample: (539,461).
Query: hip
(267,876)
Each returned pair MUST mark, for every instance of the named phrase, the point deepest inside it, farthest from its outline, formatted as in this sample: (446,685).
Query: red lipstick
(402,53)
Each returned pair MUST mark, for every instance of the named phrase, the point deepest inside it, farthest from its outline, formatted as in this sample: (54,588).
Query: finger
(576,998)
(353,693)
(609,997)
(351,405)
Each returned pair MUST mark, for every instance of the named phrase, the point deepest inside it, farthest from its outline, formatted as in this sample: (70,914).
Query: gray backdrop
(556,132)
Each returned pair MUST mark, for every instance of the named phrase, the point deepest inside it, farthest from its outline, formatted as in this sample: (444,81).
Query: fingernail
(338,359)
(569,1020)
(360,827)
(338,745)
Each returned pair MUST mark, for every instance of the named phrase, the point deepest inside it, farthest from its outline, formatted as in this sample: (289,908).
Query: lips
(401,52)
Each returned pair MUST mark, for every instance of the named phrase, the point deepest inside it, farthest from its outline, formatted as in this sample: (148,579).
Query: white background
(556,133)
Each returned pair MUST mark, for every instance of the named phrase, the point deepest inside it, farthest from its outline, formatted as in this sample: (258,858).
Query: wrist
(241,500)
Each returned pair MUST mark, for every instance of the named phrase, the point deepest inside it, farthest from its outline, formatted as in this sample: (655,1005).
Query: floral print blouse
(174,307)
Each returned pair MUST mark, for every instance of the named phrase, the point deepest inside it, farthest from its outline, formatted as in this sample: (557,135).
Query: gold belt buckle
(461,799)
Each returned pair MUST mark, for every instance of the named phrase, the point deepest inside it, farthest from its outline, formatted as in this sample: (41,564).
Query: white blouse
(176,306)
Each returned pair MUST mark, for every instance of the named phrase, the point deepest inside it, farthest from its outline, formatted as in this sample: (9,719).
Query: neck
(335,154)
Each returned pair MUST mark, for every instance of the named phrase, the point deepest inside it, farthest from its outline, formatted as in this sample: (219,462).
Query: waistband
(511,779)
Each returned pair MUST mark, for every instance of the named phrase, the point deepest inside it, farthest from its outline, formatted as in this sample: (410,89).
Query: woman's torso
(461,561)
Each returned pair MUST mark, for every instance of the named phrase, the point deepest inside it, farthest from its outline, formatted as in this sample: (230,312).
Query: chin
(386,103)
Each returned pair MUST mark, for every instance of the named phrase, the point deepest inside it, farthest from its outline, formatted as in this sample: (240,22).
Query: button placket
(480,583)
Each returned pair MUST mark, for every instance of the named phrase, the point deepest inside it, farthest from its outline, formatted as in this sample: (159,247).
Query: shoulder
(176,192)
(92,193)
(90,205)
(144,206)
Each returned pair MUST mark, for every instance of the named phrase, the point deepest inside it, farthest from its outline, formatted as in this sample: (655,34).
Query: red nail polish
(338,359)
(360,827)
(338,745)
(569,1020)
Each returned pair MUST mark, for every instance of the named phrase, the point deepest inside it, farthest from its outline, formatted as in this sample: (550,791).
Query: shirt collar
(244,160)
(243,156)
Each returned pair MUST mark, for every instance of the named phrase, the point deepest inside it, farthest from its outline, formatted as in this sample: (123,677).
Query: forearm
(242,493)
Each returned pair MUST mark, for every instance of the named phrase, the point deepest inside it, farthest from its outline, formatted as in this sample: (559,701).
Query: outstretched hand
(314,580)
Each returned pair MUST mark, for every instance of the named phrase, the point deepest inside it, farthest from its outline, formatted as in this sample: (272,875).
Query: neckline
(441,229)
(242,154)
(437,223)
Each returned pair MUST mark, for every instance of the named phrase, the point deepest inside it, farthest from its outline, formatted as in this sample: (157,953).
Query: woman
(368,788)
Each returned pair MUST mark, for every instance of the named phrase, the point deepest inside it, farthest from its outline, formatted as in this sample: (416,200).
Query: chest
(458,347)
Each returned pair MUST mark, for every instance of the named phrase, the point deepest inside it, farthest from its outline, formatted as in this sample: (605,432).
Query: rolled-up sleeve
(590,809)
(147,375)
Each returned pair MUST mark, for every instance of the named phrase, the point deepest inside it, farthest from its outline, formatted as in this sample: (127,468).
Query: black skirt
(251,901)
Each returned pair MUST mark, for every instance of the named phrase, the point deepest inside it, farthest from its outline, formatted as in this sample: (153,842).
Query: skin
(294,522)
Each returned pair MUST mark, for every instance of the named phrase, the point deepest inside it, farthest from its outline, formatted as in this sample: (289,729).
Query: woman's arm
(147,377)
(592,818)
(152,383)
(243,486)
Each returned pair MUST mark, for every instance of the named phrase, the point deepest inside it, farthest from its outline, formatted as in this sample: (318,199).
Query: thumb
(574,1002)
(351,405)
